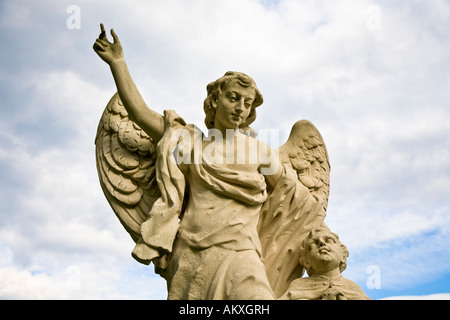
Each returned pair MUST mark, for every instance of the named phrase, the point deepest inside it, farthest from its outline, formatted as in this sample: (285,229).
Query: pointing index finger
(103,32)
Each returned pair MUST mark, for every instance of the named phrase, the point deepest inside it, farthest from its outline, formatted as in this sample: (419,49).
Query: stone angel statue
(220,215)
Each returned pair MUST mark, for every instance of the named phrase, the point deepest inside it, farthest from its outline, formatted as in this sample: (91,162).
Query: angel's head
(322,251)
(229,91)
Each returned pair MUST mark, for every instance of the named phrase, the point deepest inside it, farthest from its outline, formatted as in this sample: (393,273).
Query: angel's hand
(110,52)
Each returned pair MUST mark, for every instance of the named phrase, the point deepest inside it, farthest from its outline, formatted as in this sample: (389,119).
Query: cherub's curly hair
(304,251)
(214,89)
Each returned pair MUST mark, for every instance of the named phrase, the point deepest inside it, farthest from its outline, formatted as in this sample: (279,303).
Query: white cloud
(88,280)
(61,218)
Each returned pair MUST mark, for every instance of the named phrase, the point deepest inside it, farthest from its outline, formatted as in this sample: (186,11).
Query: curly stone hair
(214,89)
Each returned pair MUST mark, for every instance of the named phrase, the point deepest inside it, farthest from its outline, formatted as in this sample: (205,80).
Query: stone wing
(296,205)
(126,157)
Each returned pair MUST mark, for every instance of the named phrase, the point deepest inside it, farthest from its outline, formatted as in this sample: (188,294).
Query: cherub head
(322,251)
(233,87)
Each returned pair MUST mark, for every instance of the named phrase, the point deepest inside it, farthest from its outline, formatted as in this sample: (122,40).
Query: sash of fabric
(158,232)
(248,187)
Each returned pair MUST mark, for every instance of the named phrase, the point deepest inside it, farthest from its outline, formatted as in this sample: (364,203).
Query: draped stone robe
(212,246)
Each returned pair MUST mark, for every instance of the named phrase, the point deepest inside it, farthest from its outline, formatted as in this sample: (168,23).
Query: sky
(373,76)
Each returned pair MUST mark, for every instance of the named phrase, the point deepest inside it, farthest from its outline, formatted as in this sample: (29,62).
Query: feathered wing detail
(306,152)
(126,158)
(296,205)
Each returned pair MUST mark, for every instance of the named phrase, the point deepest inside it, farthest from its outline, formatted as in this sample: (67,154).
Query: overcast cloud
(373,76)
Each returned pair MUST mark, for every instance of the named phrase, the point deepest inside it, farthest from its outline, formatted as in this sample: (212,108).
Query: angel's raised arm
(111,52)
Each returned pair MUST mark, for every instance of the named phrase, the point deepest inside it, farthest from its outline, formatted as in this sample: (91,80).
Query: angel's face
(233,106)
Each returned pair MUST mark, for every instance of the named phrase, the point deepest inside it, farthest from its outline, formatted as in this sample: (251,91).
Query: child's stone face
(325,252)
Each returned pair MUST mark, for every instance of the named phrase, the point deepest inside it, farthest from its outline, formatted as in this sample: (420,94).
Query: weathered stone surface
(221,215)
